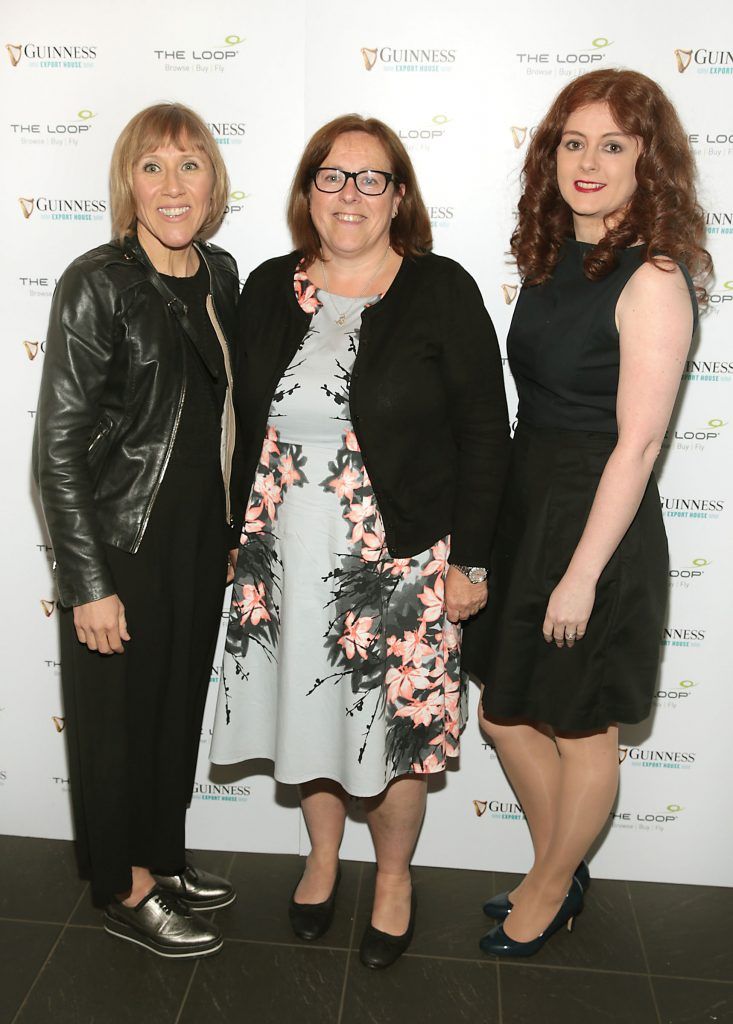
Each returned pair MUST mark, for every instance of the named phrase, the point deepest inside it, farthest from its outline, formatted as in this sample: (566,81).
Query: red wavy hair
(663,212)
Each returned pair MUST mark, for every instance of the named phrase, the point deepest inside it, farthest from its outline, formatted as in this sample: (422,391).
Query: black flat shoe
(500,905)
(379,949)
(312,920)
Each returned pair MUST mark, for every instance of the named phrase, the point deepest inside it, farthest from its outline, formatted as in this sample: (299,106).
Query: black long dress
(134,720)
(563,349)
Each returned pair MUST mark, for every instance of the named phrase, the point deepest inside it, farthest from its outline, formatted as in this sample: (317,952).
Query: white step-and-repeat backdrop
(463,84)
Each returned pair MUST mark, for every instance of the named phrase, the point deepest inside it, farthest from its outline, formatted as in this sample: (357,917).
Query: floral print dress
(339,662)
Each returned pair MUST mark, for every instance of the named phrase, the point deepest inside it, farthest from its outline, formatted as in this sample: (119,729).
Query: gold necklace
(342,316)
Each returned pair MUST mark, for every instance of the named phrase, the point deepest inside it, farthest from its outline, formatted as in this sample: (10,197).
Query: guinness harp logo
(26,206)
(59,723)
(369,57)
(48,608)
(623,753)
(15,52)
(31,349)
(479,807)
(683,60)
(518,136)
(510,293)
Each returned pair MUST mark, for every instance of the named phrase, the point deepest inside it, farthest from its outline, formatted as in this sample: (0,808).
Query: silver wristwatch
(474,573)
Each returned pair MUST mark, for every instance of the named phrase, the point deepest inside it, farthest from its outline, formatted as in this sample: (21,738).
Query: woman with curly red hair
(608,241)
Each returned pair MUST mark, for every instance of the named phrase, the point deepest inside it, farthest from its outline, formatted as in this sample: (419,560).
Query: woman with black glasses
(370,390)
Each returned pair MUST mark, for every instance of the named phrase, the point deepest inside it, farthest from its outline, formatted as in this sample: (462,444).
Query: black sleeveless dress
(563,350)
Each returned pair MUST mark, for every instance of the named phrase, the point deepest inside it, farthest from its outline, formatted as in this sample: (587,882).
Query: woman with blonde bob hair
(608,242)
(133,453)
(374,434)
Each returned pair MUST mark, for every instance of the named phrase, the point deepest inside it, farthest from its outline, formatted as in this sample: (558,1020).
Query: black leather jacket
(112,391)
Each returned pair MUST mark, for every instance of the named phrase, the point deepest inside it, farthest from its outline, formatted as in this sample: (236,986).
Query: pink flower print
(403,680)
(427,765)
(351,443)
(400,567)
(422,712)
(356,637)
(449,638)
(270,491)
(414,648)
(269,446)
(394,647)
(432,598)
(252,521)
(372,547)
(288,473)
(345,483)
(305,293)
(357,513)
(439,562)
(252,605)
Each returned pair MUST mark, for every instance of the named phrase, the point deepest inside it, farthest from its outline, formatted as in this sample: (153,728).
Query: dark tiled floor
(641,953)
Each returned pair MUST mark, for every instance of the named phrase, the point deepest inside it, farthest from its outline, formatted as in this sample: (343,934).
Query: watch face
(477,575)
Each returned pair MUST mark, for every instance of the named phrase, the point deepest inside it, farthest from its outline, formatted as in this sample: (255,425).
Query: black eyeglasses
(369,183)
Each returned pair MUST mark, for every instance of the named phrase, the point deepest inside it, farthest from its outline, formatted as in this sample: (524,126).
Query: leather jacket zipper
(153,496)
(104,429)
(219,331)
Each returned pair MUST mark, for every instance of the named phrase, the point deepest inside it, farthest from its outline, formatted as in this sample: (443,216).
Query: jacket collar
(132,251)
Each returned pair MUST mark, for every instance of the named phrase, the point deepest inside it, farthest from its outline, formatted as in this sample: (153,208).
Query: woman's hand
(232,564)
(463,598)
(568,611)
(101,625)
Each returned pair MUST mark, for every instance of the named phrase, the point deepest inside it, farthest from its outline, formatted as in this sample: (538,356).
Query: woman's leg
(324,808)
(588,781)
(530,759)
(394,818)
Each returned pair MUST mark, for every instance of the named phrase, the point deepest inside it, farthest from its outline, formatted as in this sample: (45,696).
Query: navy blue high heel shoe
(500,905)
(498,943)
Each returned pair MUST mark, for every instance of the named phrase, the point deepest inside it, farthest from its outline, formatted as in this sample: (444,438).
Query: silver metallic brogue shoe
(163,924)
(199,890)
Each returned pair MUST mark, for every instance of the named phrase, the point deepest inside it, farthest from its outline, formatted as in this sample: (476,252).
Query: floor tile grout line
(51,952)
(181,1008)
(186,993)
(643,953)
(342,1001)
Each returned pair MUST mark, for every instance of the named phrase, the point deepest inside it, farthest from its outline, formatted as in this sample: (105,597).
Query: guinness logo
(26,206)
(518,136)
(510,293)
(15,52)
(623,753)
(479,807)
(48,608)
(369,57)
(59,722)
(683,58)
(31,349)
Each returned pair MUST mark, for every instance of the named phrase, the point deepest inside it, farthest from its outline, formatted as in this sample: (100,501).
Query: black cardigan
(427,400)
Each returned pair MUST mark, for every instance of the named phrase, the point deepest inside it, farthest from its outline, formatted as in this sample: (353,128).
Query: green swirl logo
(674,808)
(687,684)
(86,115)
(600,43)
(717,424)
(234,40)
(238,195)
(442,119)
